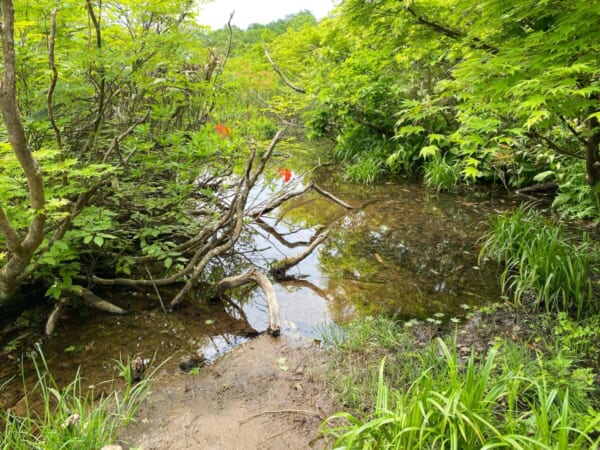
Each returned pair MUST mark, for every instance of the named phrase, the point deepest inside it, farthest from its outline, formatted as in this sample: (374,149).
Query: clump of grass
(441,175)
(73,417)
(358,345)
(543,268)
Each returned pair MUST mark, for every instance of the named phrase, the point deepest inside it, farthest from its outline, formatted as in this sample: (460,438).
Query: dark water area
(402,251)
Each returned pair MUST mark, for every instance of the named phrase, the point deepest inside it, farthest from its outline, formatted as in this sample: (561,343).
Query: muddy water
(401,251)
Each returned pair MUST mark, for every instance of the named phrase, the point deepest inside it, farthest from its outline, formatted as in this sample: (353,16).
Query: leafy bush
(544,268)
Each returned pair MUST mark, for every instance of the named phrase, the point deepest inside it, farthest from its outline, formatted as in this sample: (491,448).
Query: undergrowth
(75,416)
(513,395)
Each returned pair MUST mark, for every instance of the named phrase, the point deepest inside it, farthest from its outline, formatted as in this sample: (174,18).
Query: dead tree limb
(539,187)
(93,301)
(276,201)
(288,194)
(280,73)
(256,276)
(237,217)
(280,267)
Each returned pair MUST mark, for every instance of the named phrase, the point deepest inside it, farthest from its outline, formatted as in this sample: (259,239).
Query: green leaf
(99,241)
(471,172)
(543,175)
(429,151)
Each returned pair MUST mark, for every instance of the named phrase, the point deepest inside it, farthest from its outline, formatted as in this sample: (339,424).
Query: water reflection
(402,252)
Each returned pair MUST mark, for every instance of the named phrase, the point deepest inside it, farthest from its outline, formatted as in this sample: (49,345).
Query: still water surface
(402,251)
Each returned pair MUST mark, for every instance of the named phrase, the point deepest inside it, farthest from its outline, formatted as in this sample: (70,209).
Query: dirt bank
(266,394)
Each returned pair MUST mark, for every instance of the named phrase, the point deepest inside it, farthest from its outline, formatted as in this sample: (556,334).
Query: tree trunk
(591,153)
(20,250)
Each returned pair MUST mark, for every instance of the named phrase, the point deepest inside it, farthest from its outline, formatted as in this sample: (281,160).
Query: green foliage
(73,417)
(543,268)
(506,91)
(578,341)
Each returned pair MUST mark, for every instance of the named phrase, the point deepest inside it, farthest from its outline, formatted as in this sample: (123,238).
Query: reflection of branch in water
(280,267)
(238,308)
(253,275)
(273,232)
(285,210)
(295,282)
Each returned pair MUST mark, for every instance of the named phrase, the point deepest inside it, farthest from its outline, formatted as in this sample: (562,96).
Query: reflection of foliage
(403,258)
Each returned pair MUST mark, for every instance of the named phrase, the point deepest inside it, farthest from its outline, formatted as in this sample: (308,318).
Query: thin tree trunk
(20,249)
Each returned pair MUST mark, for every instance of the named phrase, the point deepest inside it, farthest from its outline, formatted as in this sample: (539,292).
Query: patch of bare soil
(268,393)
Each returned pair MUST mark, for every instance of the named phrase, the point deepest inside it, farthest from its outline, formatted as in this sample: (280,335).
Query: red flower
(223,130)
(285,173)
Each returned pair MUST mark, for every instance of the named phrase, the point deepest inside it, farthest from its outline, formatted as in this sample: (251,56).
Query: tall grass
(543,268)
(73,417)
(470,405)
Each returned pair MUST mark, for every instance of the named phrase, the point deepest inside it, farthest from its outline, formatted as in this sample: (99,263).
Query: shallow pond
(402,251)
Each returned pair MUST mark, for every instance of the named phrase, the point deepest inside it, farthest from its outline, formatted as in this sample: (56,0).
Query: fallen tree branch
(256,276)
(93,301)
(280,267)
(237,218)
(276,201)
(539,187)
(53,318)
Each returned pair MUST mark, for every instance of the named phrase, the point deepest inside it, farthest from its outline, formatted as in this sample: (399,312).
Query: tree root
(256,276)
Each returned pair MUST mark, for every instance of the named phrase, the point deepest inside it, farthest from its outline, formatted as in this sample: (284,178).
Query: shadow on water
(402,251)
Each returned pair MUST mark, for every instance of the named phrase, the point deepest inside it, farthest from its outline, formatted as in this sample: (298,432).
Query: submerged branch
(331,197)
